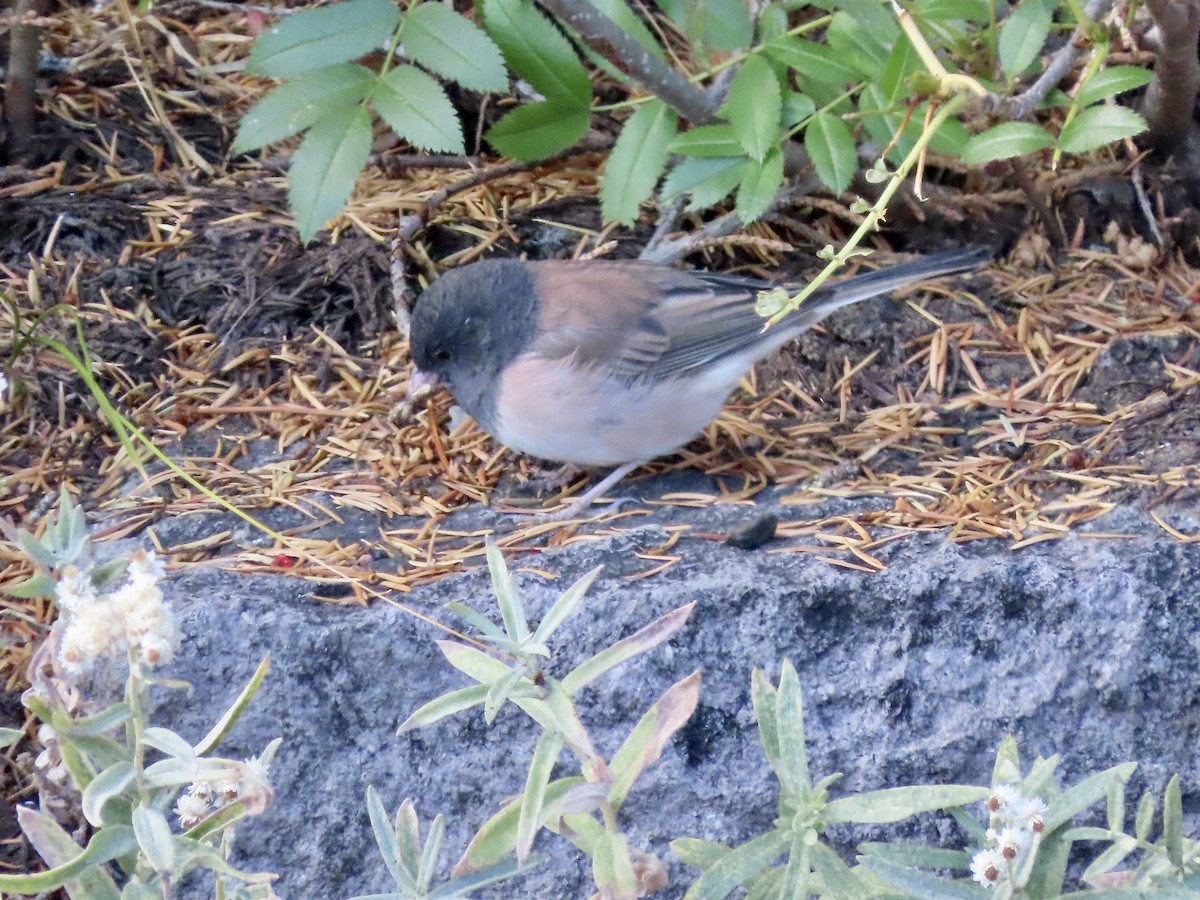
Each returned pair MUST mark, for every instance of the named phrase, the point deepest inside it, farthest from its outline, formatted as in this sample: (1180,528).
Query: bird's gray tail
(830,297)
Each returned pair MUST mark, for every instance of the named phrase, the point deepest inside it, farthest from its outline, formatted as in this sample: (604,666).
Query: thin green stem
(876,213)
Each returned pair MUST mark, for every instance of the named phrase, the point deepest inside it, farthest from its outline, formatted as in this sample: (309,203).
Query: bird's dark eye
(442,355)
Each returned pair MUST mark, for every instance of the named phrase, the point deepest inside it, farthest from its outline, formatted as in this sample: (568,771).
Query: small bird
(612,363)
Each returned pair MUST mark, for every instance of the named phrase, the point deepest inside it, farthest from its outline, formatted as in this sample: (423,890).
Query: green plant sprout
(583,808)
(115,615)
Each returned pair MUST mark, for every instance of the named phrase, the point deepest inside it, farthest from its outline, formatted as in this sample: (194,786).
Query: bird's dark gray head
(470,324)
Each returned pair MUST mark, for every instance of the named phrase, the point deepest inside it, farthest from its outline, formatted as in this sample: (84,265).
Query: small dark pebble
(754,535)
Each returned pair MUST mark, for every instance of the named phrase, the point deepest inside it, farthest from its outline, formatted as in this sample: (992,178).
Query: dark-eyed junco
(611,363)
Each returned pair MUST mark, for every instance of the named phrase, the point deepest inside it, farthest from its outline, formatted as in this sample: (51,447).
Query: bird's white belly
(553,410)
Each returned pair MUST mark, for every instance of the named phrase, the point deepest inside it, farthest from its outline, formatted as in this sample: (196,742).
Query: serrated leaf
(796,108)
(537,51)
(707,141)
(811,60)
(445,42)
(894,804)
(315,38)
(1023,36)
(325,167)
(708,180)
(760,183)
(417,109)
(296,104)
(537,130)
(831,148)
(754,108)
(862,38)
(1005,141)
(729,24)
(1112,81)
(637,162)
(1097,126)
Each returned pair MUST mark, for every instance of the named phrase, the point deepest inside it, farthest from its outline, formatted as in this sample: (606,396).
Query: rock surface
(1085,647)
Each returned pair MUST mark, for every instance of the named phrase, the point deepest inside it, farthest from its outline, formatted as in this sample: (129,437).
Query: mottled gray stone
(1083,647)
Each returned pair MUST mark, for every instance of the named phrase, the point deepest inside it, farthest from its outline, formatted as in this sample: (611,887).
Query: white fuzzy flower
(988,866)
(74,590)
(191,809)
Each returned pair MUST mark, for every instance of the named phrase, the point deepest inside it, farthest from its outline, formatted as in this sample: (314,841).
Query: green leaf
(537,51)
(708,180)
(315,38)
(1079,797)
(641,641)
(840,880)
(799,868)
(916,855)
(241,703)
(1110,858)
(811,60)
(564,607)
(1172,836)
(754,108)
(1005,141)
(739,865)
(707,141)
(831,148)
(862,39)
(1097,126)
(1112,81)
(508,598)
(325,167)
(385,840)
(104,787)
(40,584)
(169,743)
(630,23)
(649,737)
(611,867)
(637,162)
(762,698)
(295,105)
(1023,36)
(154,838)
(925,885)
(797,108)
(976,11)
(894,804)
(69,862)
(545,754)
(537,130)
(444,42)
(9,736)
(789,721)
(1144,819)
(729,24)
(417,109)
